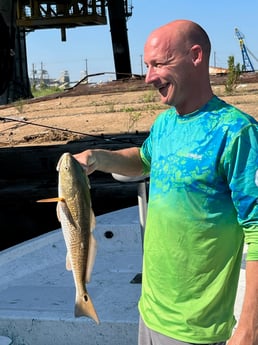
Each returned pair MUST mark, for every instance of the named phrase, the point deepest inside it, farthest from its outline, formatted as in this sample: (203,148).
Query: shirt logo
(199,157)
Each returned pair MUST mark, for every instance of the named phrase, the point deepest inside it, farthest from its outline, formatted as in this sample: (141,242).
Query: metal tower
(247,64)
(20,16)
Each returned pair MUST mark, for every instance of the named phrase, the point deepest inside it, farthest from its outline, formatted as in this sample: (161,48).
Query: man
(202,156)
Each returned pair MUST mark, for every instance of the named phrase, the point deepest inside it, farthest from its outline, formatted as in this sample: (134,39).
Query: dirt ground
(114,107)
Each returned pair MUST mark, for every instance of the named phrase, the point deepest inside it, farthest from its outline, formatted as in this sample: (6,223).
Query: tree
(233,75)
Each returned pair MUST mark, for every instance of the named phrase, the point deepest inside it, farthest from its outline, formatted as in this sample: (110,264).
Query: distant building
(217,70)
(43,80)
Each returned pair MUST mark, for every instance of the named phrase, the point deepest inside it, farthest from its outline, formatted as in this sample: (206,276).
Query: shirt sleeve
(251,239)
(241,169)
(145,153)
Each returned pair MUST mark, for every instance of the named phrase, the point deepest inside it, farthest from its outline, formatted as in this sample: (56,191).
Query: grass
(45,91)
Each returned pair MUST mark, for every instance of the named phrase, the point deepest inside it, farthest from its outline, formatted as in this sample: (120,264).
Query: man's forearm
(125,162)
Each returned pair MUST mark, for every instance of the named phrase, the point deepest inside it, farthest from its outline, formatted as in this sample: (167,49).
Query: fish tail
(85,307)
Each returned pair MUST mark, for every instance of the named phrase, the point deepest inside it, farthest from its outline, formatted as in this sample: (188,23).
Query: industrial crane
(247,64)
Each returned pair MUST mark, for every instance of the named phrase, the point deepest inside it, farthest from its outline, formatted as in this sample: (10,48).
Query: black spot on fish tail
(85,307)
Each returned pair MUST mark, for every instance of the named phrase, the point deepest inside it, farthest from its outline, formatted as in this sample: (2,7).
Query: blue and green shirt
(202,206)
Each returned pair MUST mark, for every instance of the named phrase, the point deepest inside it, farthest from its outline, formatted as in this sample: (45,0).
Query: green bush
(233,75)
(45,91)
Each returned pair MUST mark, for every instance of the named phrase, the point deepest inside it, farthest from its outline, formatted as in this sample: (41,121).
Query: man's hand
(243,337)
(246,332)
(88,161)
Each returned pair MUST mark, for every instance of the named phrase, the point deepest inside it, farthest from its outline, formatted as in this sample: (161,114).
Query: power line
(62,129)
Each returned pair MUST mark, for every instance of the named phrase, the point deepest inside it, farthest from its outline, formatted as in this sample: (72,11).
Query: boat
(37,293)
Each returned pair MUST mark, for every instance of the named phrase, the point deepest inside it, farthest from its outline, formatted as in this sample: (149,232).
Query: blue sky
(94,44)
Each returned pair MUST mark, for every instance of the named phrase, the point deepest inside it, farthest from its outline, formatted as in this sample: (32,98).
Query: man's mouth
(163,89)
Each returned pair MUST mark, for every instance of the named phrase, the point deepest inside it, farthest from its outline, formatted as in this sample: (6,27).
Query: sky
(91,47)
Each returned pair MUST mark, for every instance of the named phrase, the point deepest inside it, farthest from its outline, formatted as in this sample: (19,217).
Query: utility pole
(141,65)
(86,70)
(34,72)
(86,67)
(41,74)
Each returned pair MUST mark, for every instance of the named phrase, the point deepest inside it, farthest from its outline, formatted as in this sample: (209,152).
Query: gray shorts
(148,337)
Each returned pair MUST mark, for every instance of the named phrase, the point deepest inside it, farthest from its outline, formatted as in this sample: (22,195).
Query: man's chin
(165,99)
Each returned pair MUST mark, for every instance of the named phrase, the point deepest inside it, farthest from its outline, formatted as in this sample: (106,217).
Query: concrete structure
(37,293)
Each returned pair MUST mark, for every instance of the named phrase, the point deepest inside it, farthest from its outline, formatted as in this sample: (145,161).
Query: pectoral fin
(51,199)
(56,199)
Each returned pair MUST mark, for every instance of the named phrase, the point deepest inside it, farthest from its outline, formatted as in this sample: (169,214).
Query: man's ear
(196,52)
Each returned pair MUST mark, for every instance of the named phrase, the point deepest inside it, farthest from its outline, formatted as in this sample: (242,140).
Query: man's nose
(150,75)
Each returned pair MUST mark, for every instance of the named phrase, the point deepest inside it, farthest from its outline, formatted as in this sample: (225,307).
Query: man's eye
(156,66)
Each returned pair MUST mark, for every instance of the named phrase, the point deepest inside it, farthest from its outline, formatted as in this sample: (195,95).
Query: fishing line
(62,129)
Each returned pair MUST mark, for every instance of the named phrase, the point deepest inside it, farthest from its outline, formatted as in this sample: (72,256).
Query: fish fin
(85,307)
(92,220)
(91,257)
(68,263)
(58,212)
(87,179)
(63,208)
(51,199)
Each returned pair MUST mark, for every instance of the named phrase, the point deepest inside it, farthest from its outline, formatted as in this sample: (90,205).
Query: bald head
(183,34)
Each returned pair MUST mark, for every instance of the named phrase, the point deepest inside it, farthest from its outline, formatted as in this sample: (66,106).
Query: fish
(75,213)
